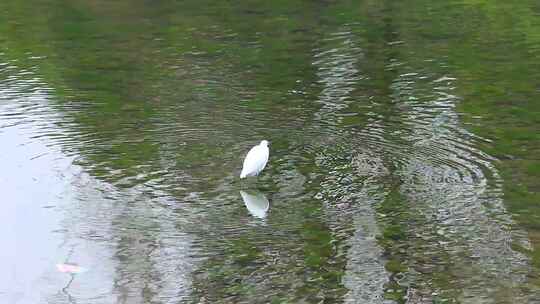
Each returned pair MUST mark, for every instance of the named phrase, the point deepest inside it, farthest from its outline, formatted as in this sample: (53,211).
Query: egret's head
(265,143)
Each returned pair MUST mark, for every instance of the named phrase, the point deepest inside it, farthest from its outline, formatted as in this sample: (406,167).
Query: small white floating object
(255,160)
(70,268)
(256,203)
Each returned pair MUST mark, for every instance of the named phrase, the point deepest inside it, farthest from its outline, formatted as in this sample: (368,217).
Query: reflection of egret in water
(256,203)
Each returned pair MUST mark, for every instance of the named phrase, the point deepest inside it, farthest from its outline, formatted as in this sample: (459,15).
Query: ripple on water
(349,186)
(148,205)
(127,239)
(423,157)
(454,190)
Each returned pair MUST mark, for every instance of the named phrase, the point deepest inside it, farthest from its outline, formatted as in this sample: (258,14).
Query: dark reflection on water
(121,154)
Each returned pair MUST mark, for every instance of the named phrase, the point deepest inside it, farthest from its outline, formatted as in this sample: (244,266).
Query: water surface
(404,159)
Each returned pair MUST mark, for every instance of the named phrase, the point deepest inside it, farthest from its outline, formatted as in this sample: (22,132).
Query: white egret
(255,160)
(256,203)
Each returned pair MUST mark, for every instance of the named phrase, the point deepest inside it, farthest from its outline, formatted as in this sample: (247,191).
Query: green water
(404,165)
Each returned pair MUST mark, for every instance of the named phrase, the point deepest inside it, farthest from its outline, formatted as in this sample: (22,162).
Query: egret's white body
(255,160)
(256,203)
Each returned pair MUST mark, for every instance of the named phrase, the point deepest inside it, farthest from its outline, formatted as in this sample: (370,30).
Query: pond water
(404,164)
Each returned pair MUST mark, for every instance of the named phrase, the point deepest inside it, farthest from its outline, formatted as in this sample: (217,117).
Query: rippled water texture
(403,168)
